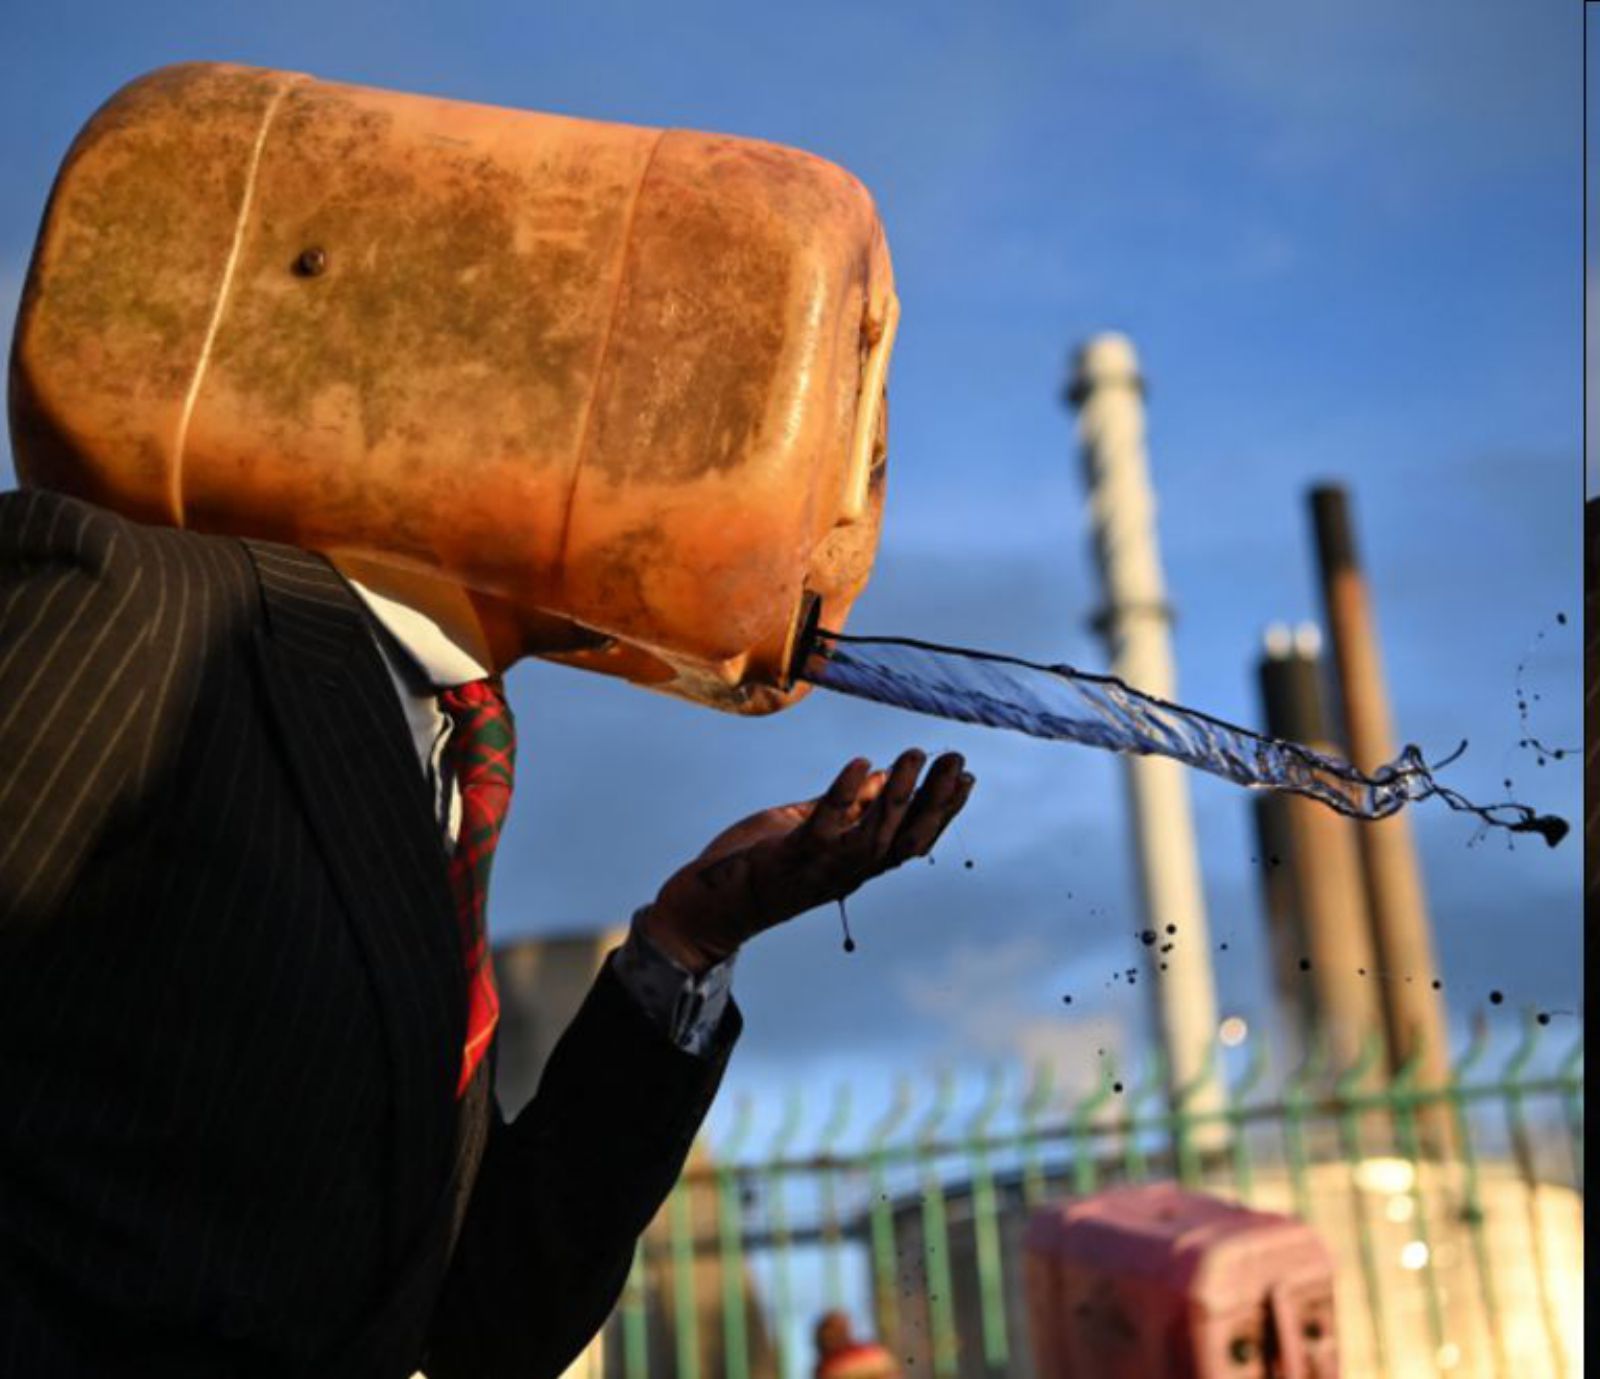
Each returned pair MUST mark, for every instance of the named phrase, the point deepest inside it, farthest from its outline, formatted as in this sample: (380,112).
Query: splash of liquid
(1066,704)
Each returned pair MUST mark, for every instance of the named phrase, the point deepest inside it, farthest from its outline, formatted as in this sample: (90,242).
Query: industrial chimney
(1412,1008)
(1108,393)
(1323,954)
(1285,934)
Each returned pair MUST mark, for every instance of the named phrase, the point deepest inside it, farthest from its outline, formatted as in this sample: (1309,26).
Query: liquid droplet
(844,923)
(1496,997)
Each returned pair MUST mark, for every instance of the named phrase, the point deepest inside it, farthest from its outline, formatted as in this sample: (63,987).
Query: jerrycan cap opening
(788,667)
(807,626)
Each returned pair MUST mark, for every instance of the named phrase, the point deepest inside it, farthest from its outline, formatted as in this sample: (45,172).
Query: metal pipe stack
(1402,936)
(1323,954)
(1285,933)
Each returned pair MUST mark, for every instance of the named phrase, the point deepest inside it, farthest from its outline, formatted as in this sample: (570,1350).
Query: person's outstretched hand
(784,861)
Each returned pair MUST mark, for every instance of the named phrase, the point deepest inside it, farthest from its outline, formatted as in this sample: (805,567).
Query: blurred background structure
(1342,240)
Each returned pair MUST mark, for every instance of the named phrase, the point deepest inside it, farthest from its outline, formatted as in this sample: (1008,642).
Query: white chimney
(1108,393)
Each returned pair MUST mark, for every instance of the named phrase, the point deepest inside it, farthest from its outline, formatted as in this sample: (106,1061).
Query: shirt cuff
(687,1008)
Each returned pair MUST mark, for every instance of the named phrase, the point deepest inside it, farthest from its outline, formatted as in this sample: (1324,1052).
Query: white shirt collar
(441,659)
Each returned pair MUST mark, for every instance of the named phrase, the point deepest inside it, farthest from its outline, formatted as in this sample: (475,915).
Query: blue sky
(1346,242)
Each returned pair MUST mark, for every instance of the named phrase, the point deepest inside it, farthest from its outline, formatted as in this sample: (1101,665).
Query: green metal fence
(1453,1259)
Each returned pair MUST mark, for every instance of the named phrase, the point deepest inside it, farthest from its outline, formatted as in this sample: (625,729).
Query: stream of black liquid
(1066,704)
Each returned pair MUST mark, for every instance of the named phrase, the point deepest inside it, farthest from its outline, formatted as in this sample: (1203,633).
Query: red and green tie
(481,754)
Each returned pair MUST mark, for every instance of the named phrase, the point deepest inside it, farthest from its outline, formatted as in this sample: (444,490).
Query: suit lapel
(349,749)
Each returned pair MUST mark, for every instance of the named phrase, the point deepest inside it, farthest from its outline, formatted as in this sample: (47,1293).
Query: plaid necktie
(481,754)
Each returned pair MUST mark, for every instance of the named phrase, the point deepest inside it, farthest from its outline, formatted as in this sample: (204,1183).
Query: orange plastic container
(620,390)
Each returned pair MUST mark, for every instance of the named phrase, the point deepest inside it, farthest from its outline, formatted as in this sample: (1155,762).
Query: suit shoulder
(163,564)
(36,524)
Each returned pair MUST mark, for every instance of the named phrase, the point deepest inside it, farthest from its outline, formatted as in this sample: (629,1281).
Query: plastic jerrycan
(620,388)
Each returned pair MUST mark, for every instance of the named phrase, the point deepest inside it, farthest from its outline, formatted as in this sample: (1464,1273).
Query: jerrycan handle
(879,334)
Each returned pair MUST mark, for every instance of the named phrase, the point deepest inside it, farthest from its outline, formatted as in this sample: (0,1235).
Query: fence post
(831,1242)
(730,1233)
(635,1319)
(1134,1163)
(1522,1148)
(1037,1099)
(936,1234)
(885,1285)
(1348,1099)
(1085,1171)
(777,1210)
(1182,1142)
(1295,1098)
(1403,1090)
(1472,1203)
(1571,1073)
(1254,1071)
(986,1226)
(686,1321)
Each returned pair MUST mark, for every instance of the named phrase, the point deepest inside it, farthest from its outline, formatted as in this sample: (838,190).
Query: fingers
(839,806)
(869,821)
(943,794)
(881,802)
(870,793)
(882,821)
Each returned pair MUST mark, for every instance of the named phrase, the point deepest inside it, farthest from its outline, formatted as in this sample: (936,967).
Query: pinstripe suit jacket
(231,1001)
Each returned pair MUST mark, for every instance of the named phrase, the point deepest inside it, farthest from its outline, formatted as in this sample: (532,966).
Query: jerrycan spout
(808,630)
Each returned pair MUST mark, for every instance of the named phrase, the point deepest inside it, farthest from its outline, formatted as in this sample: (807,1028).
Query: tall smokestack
(1108,393)
(1322,860)
(1285,934)
(1401,933)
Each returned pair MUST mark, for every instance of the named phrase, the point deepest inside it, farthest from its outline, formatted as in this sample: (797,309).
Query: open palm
(786,860)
